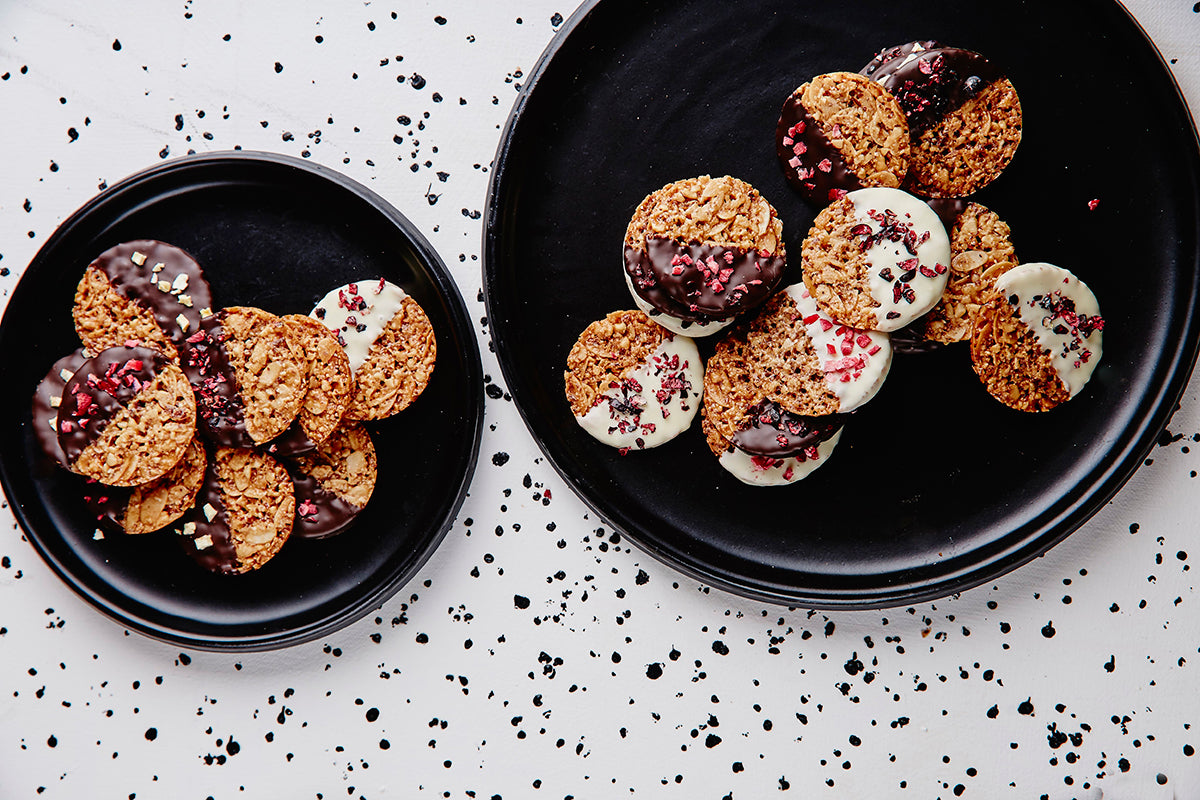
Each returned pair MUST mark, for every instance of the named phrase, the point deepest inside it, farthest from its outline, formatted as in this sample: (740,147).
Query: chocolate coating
(292,442)
(810,163)
(221,555)
(140,283)
(319,513)
(99,389)
(701,282)
(220,412)
(930,81)
(776,433)
(46,399)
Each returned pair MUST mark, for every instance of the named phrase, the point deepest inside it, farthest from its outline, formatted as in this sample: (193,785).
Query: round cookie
(632,383)
(806,362)
(758,470)
(145,292)
(739,413)
(1037,338)
(333,483)
(964,116)
(328,387)
(126,416)
(701,251)
(876,259)
(249,375)
(389,341)
(154,505)
(840,132)
(243,513)
(47,399)
(981,250)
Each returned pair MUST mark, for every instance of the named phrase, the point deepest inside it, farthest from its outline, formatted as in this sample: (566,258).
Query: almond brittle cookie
(964,116)
(632,383)
(876,259)
(145,292)
(249,374)
(126,416)
(1037,338)
(390,343)
(151,506)
(243,513)
(840,132)
(700,251)
(333,483)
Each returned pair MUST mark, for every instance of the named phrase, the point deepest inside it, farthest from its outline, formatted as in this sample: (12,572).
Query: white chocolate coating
(654,402)
(926,262)
(683,327)
(358,313)
(761,471)
(1062,311)
(855,362)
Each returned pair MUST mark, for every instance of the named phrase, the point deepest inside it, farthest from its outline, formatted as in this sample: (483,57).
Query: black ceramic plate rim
(473,368)
(1038,536)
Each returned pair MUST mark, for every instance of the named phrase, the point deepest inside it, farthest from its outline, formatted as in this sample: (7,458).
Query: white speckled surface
(537,654)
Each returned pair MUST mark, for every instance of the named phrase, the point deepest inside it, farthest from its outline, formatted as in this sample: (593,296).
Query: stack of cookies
(899,259)
(235,427)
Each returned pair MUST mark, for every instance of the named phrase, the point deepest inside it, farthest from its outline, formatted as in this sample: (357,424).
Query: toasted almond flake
(138,258)
(66,374)
(180,283)
(205,312)
(189,529)
(157,268)
(98,534)
(183,322)
(55,402)
(164,287)
(209,511)
(185,300)
(203,542)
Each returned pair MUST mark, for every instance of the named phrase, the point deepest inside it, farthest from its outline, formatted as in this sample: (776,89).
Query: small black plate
(278,233)
(935,487)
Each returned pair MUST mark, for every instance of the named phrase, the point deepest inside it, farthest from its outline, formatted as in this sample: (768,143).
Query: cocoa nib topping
(809,160)
(100,388)
(773,432)
(893,229)
(701,282)
(1062,318)
(930,81)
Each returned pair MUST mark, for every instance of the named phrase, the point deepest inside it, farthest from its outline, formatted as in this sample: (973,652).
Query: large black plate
(935,487)
(274,232)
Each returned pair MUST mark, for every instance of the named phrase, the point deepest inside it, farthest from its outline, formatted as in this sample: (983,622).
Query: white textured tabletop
(538,654)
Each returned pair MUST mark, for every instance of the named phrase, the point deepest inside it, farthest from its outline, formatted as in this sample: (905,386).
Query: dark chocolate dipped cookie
(126,416)
(243,513)
(47,399)
(334,482)
(840,132)
(150,506)
(249,375)
(144,292)
(698,252)
(964,116)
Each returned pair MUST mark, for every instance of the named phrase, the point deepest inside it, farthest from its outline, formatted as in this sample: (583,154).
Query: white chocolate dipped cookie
(876,259)
(389,341)
(1037,338)
(632,383)
(810,364)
